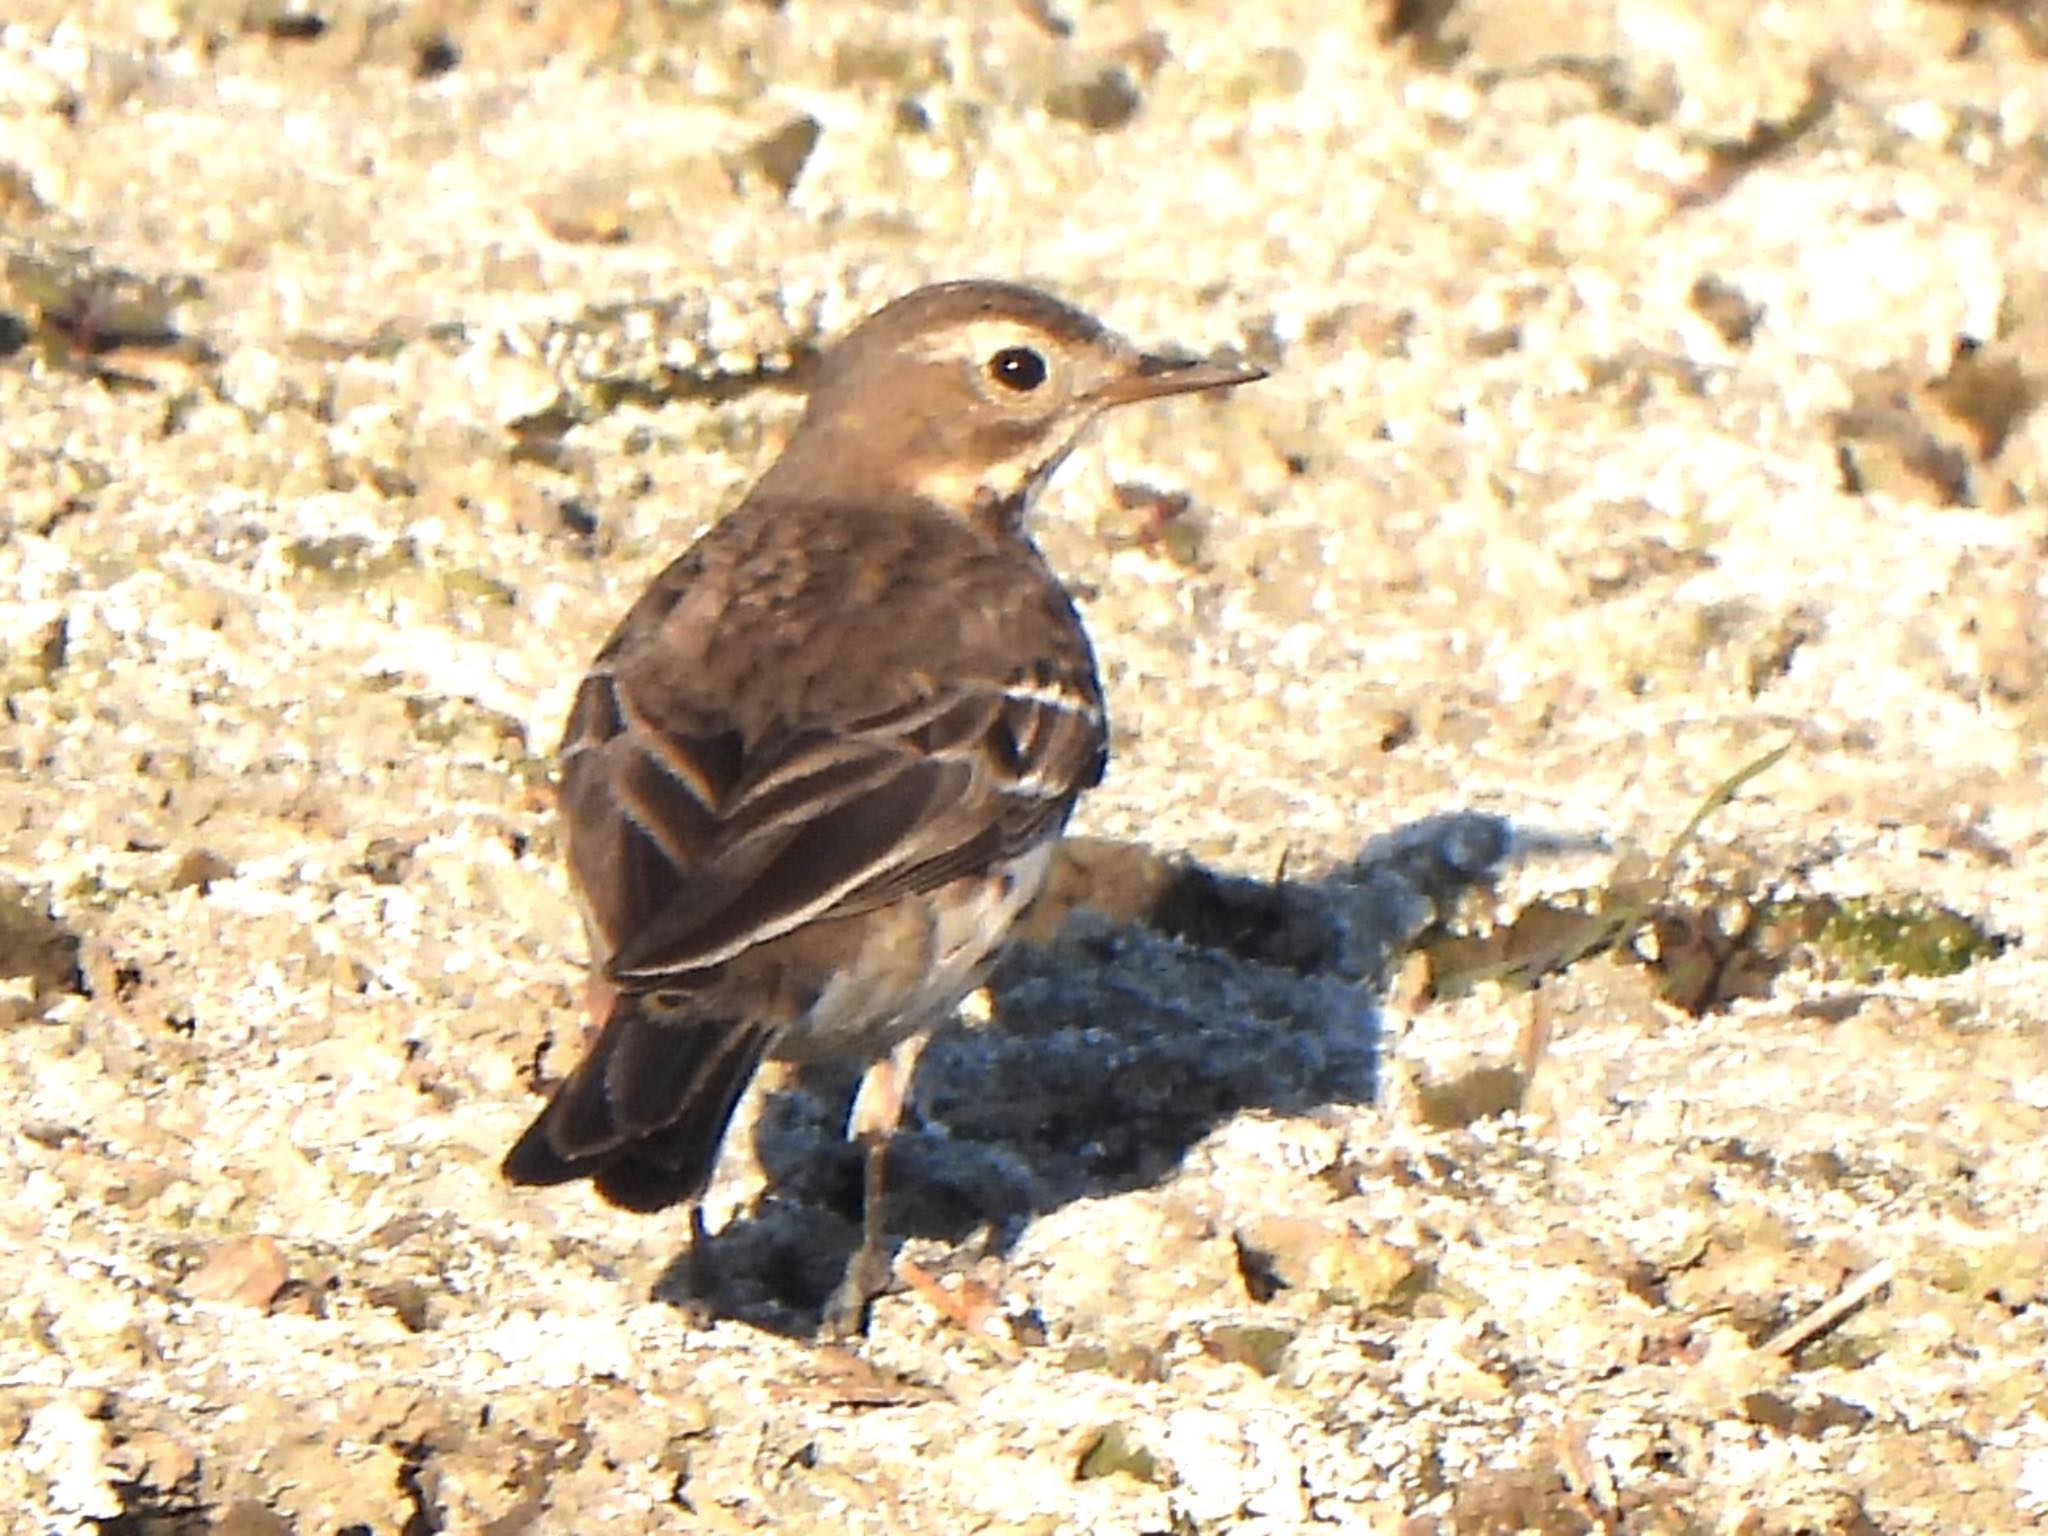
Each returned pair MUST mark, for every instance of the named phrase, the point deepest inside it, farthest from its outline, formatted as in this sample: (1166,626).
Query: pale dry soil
(1655,385)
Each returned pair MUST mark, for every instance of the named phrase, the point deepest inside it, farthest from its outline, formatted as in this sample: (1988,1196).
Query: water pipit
(822,764)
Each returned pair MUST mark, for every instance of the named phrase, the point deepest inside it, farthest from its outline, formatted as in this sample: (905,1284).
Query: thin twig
(1717,797)
(1792,1336)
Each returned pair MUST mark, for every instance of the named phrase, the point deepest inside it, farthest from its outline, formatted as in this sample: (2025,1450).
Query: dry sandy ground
(1657,384)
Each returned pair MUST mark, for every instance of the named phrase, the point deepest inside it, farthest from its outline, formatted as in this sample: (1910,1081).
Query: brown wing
(692,848)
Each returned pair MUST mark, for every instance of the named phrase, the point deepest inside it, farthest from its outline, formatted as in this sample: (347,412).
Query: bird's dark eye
(1017,368)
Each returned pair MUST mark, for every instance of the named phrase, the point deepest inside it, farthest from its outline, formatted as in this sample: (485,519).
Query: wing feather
(711,859)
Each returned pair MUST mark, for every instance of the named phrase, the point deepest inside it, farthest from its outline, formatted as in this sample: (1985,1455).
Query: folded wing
(693,849)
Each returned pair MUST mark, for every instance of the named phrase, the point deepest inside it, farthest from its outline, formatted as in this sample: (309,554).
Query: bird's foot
(867,1276)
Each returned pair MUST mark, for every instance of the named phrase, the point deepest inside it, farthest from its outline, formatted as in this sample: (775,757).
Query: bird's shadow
(1150,1002)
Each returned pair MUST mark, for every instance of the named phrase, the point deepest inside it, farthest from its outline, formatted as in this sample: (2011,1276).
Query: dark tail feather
(645,1110)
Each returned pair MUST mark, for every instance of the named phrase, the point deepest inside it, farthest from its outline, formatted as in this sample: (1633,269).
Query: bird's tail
(644,1112)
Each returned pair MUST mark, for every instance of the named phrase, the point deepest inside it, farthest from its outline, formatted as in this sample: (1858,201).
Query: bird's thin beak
(1154,376)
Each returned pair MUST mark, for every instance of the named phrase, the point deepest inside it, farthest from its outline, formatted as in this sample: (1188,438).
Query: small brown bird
(820,767)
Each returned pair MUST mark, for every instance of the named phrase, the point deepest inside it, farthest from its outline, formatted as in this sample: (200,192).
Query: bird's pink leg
(877,1111)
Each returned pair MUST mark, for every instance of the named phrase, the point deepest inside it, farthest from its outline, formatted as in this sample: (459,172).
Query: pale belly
(921,966)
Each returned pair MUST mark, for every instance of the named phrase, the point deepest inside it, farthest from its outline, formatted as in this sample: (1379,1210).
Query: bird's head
(967,396)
